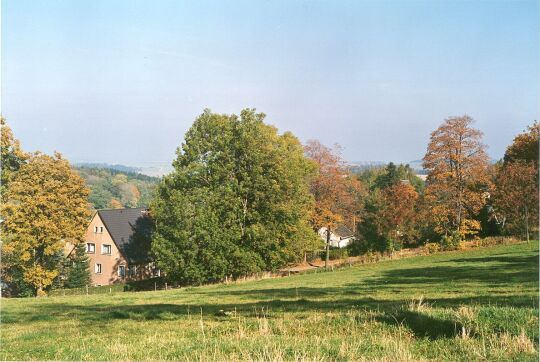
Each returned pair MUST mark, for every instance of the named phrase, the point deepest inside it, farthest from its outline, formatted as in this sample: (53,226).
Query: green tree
(100,196)
(46,206)
(394,175)
(389,178)
(77,270)
(236,203)
(368,229)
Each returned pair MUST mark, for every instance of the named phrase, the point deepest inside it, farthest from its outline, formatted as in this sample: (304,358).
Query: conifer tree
(78,270)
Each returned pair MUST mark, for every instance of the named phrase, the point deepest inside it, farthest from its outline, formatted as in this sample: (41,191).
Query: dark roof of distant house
(343,232)
(122,223)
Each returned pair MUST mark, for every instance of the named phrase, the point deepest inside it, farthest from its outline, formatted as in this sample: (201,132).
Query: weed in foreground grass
(473,305)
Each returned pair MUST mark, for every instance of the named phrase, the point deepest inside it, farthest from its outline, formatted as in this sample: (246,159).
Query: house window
(95,229)
(98,268)
(122,271)
(133,270)
(90,247)
(106,249)
(101,229)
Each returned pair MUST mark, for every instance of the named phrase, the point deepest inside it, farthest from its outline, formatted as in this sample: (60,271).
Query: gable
(103,237)
(125,225)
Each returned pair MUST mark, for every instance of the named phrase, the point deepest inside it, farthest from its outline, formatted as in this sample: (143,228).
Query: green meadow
(479,304)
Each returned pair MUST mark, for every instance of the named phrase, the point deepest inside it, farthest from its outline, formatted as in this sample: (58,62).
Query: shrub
(146,284)
(451,241)
(335,253)
(393,245)
(496,240)
(357,247)
(431,248)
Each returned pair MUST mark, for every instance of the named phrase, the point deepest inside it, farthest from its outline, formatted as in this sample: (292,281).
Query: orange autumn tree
(458,179)
(337,193)
(396,215)
(525,146)
(516,196)
(515,199)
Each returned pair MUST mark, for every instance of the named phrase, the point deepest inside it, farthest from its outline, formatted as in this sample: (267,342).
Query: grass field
(470,305)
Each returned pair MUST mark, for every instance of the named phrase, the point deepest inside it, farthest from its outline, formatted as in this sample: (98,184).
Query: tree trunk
(527,222)
(327,248)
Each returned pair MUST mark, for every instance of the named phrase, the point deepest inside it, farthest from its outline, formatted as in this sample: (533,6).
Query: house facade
(340,237)
(111,238)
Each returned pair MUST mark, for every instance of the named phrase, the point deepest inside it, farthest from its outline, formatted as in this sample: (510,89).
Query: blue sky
(121,81)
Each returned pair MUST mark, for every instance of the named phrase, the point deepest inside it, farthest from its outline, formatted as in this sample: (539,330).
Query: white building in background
(340,237)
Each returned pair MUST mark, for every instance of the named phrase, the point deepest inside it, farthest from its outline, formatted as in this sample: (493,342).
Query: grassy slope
(480,304)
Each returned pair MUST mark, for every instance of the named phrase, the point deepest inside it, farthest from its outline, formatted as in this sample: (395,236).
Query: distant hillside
(111,188)
(107,166)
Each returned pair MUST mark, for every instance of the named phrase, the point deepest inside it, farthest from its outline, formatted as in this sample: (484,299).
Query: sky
(122,81)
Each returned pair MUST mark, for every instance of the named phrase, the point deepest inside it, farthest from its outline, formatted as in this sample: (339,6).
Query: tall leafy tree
(396,216)
(337,193)
(515,199)
(46,206)
(458,177)
(236,203)
(389,218)
(516,196)
(525,146)
(12,157)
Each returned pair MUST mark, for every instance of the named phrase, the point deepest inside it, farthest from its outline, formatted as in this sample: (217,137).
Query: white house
(340,237)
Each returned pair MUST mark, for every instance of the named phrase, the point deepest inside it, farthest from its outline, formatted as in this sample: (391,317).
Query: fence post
(86,289)
(165,285)
(110,290)
(155,286)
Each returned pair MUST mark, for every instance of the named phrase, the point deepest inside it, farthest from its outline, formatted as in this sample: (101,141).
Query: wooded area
(244,198)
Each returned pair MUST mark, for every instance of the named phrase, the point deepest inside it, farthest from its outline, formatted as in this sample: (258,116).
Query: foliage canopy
(236,203)
(46,207)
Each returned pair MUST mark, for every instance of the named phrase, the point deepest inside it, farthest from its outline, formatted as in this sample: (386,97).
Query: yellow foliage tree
(46,206)
(11,155)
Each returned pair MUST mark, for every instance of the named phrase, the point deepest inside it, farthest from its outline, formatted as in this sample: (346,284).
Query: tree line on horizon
(243,198)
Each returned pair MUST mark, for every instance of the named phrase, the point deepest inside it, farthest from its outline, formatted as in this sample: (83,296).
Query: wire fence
(160,283)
